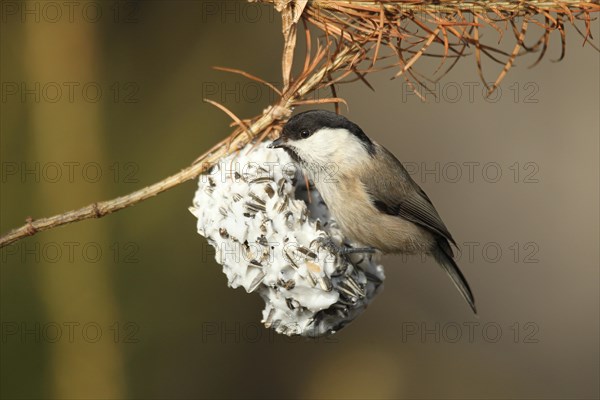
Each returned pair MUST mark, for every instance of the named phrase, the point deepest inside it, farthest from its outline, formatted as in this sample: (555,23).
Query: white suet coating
(251,207)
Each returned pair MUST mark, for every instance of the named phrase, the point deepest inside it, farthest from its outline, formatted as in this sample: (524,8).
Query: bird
(369,193)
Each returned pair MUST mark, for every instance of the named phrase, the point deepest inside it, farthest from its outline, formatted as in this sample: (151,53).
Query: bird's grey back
(394,192)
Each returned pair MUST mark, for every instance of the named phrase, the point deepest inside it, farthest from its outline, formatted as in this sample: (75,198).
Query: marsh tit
(368,191)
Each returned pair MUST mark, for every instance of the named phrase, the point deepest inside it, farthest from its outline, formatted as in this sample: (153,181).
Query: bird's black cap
(302,125)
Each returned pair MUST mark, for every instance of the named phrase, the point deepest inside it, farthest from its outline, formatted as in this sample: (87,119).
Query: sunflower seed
(348,292)
(261,179)
(306,252)
(346,300)
(257,281)
(325,283)
(270,191)
(341,269)
(257,199)
(341,313)
(304,216)
(339,306)
(311,278)
(293,264)
(263,228)
(352,283)
(262,240)
(281,186)
(287,285)
(292,303)
(265,255)
(269,319)
(237,197)
(255,207)
(284,204)
(276,324)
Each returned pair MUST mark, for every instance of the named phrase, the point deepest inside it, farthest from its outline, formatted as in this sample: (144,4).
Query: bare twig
(291,11)
(419,24)
(100,209)
(309,81)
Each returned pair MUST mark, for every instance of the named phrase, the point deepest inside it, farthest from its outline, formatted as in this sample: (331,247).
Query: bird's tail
(443,255)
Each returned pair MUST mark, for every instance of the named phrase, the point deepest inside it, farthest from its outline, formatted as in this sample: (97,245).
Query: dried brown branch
(291,11)
(453,25)
(311,79)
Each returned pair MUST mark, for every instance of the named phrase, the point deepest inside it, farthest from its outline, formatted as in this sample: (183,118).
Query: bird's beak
(277,143)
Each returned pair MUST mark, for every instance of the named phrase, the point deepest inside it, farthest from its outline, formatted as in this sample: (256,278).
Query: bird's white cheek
(331,150)
(311,151)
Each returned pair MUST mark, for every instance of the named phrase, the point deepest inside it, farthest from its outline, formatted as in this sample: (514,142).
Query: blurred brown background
(102,98)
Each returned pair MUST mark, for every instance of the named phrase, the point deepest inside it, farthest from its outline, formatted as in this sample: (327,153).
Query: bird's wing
(397,194)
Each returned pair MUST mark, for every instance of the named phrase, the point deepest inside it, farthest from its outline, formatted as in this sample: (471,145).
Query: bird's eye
(304,133)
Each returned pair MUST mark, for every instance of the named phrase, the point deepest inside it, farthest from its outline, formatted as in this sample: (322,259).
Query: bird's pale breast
(360,221)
